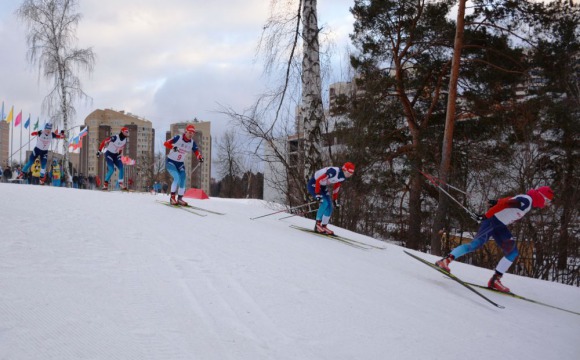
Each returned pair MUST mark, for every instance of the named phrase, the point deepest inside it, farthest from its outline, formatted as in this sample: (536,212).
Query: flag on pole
(36,125)
(27,123)
(83,133)
(72,143)
(18,119)
(10,115)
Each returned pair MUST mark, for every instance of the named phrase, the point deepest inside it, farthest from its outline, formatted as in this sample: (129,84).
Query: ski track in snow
(98,275)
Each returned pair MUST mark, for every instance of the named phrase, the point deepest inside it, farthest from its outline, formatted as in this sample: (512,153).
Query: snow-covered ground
(96,275)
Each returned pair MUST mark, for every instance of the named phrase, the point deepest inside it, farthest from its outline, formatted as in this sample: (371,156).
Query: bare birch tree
(51,37)
(292,24)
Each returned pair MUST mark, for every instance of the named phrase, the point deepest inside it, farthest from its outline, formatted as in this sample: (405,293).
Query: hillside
(96,275)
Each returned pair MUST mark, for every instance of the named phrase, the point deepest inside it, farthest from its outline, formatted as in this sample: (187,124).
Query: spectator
(7,175)
(55,174)
(35,172)
(75,181)
(91,180)
(82,181)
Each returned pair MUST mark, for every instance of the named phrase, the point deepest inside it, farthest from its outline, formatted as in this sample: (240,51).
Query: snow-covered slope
(94,275)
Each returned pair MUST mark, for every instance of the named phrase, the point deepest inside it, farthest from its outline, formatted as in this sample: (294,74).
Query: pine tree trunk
(439,222)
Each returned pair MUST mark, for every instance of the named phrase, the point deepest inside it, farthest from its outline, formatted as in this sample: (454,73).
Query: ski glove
(480,218)
(491,202)
(318,197)
(200,158)
(98,153)
(175,149)
(336,204)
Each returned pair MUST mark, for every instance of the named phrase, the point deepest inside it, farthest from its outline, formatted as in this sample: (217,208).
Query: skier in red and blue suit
(115,145)
(43,142)
(180,146)
(494,223)
(324,187)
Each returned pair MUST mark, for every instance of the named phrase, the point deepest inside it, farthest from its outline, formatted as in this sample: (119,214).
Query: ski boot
(318,227)
(443,264)
(495,283)
(327,231)
(181,202)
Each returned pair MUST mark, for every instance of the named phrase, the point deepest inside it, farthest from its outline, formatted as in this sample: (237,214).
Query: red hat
(540,195)
(348,167)
(190,128)
(124,129)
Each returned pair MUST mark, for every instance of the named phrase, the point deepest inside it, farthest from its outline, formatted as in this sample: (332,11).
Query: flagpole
(29,132)
(11,142)
(20,155)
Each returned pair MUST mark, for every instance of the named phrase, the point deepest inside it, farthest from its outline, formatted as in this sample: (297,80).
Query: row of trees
(516,124)
(488,103)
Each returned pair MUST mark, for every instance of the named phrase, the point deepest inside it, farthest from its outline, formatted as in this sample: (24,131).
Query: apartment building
(200,178)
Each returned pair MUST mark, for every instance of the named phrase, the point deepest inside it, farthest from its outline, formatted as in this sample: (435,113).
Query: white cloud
(166,61)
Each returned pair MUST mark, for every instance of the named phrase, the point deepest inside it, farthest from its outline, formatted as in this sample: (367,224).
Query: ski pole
(290,209)
(195,168)
(437,183)
(299,214)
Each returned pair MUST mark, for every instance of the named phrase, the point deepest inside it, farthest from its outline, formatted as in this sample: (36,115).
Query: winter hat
(190,128)
(348,167)
(48,126)
(540,195)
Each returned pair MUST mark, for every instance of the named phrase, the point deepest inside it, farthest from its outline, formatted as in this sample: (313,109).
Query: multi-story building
(200,178)
(140,147)
(4,143)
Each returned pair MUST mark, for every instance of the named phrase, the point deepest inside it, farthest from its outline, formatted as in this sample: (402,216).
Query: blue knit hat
(48,126)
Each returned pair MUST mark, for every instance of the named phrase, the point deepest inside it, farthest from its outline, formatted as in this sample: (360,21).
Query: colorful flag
(18,119)
(36,125)
(83,132)
(73,142)
(10,115)
(27,123)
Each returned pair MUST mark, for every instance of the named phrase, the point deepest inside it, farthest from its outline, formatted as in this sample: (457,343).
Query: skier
(494,223)
(115,145)
(43,141)
(180,146)
(324,187)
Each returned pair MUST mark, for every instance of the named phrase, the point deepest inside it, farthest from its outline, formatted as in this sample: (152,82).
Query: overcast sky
(166,61)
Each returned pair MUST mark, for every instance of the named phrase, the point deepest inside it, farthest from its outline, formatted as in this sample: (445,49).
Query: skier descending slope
(324,187)
(494,224)
(180,146)
(43,142)
(115,145)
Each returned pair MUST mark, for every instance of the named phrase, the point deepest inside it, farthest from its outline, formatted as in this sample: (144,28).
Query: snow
(110,275)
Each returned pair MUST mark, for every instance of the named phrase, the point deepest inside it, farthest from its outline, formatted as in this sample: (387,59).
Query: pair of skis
(191,209)
(472,287)
(347,241)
